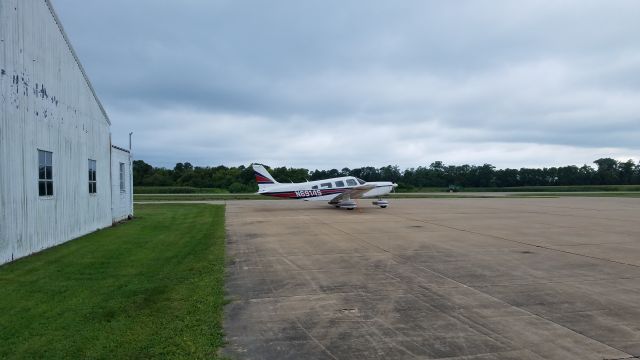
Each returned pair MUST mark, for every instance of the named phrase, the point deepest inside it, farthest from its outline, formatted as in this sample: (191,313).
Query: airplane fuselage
(327,189)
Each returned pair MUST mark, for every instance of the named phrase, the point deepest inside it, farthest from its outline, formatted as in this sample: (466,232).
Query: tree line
(606,171)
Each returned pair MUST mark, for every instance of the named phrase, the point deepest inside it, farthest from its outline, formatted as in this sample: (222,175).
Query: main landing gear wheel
(347,204)
(382,203)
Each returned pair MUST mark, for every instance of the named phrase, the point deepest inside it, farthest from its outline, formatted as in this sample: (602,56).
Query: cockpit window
(339,183)
(362,182)
(326,185)
(351,182)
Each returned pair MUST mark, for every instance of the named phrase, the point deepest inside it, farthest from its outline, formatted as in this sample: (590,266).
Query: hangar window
(93,183)
(326,185)
(339,183)
(351,182)
(122,187)
(45,173)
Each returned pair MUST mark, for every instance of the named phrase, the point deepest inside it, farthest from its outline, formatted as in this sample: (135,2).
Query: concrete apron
(434,278)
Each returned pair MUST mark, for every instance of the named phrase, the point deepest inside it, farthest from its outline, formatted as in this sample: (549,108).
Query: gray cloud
(333,84)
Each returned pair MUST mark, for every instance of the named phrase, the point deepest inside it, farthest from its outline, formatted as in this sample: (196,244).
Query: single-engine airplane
(339,192)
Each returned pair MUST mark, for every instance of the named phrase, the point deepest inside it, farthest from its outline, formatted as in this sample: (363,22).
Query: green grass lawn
(148,193)
(583,194)
(200,197)
(150,288)
(572,188)
(221,197)
(177,190)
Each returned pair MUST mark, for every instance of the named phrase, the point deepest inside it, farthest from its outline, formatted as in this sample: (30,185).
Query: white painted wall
(121,200)
(46,103)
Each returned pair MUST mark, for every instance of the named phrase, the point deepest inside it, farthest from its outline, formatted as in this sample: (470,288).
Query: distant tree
(284,174)
(507,178)
(437,174)
(368,173)
(463,176)
(483,175)
(607,171)
(626,172)
(334,173)
(586,175)
(159,178)
(568,175)
(390,173)
(532,177)
(354,172)
(141,170)
(550,176)
(318,174)
(248,178)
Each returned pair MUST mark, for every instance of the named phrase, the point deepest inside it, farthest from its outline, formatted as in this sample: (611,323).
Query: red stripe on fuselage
(293,195)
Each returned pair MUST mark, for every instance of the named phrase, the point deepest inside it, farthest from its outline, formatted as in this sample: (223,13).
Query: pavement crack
(315,340)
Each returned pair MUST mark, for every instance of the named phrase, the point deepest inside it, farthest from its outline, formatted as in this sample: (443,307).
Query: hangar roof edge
(119,148)
(75,56)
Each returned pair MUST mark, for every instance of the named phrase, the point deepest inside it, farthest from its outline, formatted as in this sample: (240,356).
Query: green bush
(236,187)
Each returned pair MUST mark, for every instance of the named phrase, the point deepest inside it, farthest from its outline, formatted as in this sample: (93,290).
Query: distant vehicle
(339,192)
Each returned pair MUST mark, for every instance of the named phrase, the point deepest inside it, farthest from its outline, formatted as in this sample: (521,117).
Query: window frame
(93,178)
(352,182)
(339,184)
(123,188)
(326,185)
(45,174)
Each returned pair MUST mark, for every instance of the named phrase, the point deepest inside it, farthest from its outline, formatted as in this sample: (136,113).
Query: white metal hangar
(60,176)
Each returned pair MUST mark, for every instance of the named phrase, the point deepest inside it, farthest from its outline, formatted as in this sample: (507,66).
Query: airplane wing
(352,193)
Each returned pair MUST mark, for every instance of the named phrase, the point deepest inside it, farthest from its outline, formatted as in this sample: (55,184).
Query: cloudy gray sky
(324,84)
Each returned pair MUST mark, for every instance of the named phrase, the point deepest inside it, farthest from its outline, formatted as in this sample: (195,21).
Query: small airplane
(339,191)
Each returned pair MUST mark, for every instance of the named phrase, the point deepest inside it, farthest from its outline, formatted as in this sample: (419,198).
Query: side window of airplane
(326,185)
(351,182)
(314,187)
(340,184)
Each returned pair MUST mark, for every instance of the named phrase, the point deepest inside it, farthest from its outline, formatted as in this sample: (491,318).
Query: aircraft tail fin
(263,178)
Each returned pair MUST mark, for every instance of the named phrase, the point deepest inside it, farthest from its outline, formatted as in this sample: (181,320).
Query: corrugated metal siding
(121,201)
(46,103)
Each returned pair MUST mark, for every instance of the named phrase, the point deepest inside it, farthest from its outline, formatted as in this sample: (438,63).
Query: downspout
(130,177)
(111,175)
